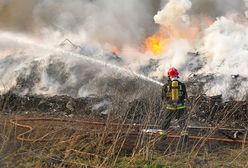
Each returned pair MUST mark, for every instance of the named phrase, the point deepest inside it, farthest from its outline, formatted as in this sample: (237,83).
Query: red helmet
(173,72)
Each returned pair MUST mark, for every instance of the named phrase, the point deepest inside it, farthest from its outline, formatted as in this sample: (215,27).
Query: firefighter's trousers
(180,115)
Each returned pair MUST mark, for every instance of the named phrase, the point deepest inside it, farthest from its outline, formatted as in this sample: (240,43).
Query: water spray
(59,50)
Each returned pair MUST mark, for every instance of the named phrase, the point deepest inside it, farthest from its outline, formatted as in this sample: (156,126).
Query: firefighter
(173,102)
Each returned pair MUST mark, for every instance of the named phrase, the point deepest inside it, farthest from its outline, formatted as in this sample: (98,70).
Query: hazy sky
(20,14)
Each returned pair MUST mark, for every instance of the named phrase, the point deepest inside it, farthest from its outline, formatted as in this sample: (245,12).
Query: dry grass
(79,145)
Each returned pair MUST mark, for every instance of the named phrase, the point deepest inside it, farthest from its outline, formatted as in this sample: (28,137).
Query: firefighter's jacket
(173,95)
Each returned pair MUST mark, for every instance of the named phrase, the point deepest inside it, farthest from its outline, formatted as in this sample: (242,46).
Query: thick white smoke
(43,69)
(99,26)
(225,46)
(174,14)
(174,18)
(110,21)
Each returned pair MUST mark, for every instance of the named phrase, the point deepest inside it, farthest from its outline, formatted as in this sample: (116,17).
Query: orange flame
(115,50)
(160,41)
(156,44)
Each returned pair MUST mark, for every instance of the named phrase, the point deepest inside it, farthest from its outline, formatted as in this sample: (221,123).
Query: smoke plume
(174,14)
(198,37)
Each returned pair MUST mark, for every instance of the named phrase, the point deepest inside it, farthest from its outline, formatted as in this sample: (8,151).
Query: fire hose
(21,137)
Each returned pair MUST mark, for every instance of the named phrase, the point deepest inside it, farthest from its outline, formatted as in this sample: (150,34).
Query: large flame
(156,44)
(159,42)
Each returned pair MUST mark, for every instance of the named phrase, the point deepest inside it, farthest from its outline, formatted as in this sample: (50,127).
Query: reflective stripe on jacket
(179,107)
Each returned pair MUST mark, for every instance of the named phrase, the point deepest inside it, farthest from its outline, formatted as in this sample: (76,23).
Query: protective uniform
(173,98)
